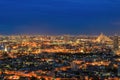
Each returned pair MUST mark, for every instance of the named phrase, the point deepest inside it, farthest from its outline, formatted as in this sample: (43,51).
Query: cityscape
(59,39)
(63,57)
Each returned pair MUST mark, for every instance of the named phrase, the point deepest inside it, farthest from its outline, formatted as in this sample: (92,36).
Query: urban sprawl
(61,57)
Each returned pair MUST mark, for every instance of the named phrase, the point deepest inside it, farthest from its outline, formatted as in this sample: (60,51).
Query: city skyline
(59,17)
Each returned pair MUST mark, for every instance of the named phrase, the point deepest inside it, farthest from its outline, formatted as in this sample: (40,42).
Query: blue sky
(59,16)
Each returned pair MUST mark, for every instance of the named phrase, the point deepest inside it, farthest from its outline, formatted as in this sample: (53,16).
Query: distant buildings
(4,48)
(103,39)
(58,44)
(61,57)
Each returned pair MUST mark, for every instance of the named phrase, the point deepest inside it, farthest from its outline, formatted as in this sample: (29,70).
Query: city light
(59,57)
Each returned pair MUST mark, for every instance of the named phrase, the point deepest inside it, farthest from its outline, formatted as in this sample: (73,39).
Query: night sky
(59,16)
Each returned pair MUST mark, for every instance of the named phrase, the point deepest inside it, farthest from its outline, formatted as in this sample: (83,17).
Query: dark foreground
(59,66)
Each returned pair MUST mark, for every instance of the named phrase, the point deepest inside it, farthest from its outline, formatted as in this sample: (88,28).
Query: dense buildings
(38,43)
(59,57)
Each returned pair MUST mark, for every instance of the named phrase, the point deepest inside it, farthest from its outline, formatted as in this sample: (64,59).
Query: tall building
(115,42)
(6,49)
(74,66)
(118,69)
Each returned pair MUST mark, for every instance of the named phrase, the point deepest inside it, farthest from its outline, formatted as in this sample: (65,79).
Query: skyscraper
(118,69)
(115,43)
(74,66)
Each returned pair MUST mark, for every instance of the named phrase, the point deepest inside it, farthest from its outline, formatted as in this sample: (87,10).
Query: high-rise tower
(118,69)
(116,42)
(74,66)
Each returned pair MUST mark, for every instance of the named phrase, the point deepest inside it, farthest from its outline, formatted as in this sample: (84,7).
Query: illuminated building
(6,49)
(102,39)
(116,43)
